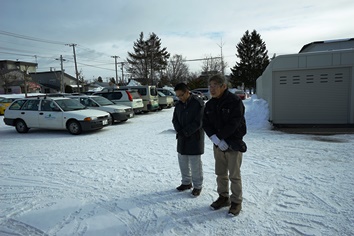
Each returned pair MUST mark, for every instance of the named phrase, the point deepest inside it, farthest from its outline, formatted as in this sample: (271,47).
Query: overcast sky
(193,29)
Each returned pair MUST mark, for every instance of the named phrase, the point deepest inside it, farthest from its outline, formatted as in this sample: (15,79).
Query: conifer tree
(148,58)
(253,59)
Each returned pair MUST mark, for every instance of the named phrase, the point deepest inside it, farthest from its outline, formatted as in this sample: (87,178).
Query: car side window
(153,91)
(31,105)
(142,91)
(116,96)
(17,105)
(107,95)
(45,105)
(85,102)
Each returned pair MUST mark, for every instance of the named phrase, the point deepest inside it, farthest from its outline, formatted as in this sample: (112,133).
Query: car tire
(74,127)
(21,126)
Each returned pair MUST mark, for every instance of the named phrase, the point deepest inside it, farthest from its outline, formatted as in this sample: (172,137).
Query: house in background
(313,87)
(51,82)
(14,77)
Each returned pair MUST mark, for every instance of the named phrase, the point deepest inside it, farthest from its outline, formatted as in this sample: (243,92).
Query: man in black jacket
(187,121)
(225,125)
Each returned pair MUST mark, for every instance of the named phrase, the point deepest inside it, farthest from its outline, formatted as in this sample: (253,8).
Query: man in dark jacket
(187,121)
(225,124)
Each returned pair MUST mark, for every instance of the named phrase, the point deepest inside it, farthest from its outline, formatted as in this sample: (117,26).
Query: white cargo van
(149,95)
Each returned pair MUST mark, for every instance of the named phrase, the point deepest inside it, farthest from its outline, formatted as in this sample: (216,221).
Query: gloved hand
(223,145)
(215,139)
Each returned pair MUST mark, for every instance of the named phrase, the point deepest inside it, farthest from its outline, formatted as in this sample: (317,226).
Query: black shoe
(220,202)
(235,209)
(183,187)
(196,192)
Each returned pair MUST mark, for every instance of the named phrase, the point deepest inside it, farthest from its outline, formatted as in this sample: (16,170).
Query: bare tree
(177,70)
(212,65)
(5,80)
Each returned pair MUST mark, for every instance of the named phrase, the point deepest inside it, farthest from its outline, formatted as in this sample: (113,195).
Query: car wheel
(21,126)
(74,127)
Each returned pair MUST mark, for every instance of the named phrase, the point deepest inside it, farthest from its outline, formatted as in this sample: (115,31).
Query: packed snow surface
(121,180)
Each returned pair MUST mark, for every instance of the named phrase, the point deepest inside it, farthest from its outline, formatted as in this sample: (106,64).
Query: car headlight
(90,118)
(119,110)
(2,105)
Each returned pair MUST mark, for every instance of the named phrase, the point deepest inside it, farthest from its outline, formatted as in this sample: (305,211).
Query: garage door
(318,96)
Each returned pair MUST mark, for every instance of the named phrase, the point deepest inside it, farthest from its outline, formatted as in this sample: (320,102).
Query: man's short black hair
(219,79)
(182,87)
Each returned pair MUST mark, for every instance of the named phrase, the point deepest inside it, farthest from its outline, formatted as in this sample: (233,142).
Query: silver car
(119,113)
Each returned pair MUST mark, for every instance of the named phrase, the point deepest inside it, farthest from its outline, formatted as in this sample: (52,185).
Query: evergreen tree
(253,57)
(148,58)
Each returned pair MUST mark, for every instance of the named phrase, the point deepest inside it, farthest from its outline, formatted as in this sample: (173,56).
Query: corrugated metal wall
(317,96)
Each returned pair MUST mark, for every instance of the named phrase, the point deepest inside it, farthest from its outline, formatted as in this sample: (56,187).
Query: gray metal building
(313,87)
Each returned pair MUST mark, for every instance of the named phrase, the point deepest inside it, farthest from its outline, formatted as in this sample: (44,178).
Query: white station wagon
(58,113)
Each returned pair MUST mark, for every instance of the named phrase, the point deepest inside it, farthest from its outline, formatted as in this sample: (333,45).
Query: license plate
(130,115)
(105,122)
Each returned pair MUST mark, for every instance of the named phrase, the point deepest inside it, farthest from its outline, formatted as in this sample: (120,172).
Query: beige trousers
(228,167)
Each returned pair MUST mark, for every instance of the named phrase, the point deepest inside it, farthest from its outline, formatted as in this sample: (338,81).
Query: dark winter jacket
(224,117)
(187,121)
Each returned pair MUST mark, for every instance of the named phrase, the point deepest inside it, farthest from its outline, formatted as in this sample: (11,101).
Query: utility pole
(222,59)
(122,64)
(115,63)
(76,73)
(62,89)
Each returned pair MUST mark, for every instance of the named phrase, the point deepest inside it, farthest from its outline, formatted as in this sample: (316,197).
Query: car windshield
(161,94)
(102,101)
(69,104)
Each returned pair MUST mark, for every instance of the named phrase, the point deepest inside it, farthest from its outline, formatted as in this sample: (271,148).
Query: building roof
(328,45)
(22,62)
(50,74)
(50,79)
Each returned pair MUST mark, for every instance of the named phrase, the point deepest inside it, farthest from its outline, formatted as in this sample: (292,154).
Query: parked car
(200,95)
(5,101)
(169,92)
(165,101)
(56,113)
(119,113)
(204,91)
(149,95)
(240,93)
(129,98)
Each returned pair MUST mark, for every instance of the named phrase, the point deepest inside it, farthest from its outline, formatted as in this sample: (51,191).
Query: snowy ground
(121,180)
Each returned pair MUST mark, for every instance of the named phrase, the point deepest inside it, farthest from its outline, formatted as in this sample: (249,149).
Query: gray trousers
(228,167)
(191,167)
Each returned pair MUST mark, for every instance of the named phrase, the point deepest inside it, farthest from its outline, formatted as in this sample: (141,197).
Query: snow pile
(257,113)
(133,83)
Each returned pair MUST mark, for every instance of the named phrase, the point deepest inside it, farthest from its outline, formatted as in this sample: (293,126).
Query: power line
(30,38)
(202,59)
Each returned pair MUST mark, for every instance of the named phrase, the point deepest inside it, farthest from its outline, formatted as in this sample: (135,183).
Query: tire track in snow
(16,227)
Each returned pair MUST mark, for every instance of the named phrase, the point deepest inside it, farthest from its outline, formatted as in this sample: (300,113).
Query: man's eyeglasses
(181,95)
(214,86)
